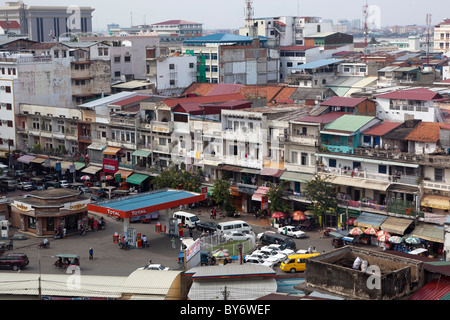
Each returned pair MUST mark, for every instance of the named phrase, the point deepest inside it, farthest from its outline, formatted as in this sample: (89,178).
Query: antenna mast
(428,37)
(249,13)
(366,28)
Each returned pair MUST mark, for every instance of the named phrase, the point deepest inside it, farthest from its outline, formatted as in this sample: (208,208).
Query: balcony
(248,162)
(85,138)
(123,121)
(436,185)
(274,164)
(305,140)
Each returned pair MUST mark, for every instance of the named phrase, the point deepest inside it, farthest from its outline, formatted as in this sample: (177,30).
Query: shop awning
(79,165)
(251,171)
(367,220)
(141,153)
(26,159)
(396,225)
(231,168)
(97,146)
(436,201)
(261,192)
(137,178)
(429,232)
(38,160)
(123,173)
(91,169)
(111,151)
(361,183)
(296,176)
(271,172)
(65,165)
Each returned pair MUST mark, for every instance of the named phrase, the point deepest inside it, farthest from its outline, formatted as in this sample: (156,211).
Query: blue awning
(369,220)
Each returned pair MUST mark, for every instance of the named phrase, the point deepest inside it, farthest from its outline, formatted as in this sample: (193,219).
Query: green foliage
(36,148)
(275,196)
(178,179)
(321,193)
(221,195)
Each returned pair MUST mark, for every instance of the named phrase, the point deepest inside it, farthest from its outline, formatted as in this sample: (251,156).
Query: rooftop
(348,123)
(317,64)
(383,128)
(343,102)
(172,22)
(421,94)
(425,132)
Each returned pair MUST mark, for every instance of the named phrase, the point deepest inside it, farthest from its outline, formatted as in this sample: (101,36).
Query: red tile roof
(131,100)
(170,22)
(253,91)
(422,94)
(207,99)
(285,94)
(383,128)
(201,89)
(433,290)
(224,88)
(343,102)
(12,25)
(425,132)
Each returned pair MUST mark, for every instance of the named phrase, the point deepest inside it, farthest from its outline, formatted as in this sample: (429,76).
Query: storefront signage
(22,206)
(110,165)
(246,188)
(264,203)
(435,218)
(192,250)
(113,212)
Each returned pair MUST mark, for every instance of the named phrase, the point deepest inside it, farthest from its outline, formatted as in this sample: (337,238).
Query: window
(289,64)
(191,65)
(8,89)
(382,169)
(127,58)
(162,141)
(332,163)
(438,174)
(171,66)
(294,157)
(10,123)
(117,59)
(8,106)
(304,159)
(172,82)
(117,74)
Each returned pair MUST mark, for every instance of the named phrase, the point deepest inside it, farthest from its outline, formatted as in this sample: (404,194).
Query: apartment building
(46,23)
(235,59)
(286,30)
(442,37)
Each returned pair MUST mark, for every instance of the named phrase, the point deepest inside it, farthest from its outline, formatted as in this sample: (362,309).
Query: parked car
(279,248)
(64,183)
(273,253)
(263,256)
(237,236)
(20,173)
(83,189)
(155,267)
(291,231)
(206,226)
(258,261)
(14,261)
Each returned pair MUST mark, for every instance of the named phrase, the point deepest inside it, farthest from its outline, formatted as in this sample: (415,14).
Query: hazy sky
(229,14)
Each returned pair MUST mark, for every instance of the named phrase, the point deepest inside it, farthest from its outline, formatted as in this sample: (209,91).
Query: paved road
(109,260)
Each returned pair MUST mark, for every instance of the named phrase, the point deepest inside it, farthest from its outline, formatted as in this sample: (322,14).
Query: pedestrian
(211,214)
(309,249)
(173,242)
(190,232)
(91,254)
(64,232)
(214,213)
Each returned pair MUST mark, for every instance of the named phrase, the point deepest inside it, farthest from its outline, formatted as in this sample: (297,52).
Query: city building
(47,23)
(442,36)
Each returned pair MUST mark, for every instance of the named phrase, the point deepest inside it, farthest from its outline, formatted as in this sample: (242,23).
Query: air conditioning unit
(2,87)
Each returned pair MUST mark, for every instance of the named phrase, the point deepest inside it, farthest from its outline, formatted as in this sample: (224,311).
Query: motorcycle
(58,235)
(124,246)
(145,244)
(44,245)
(82,232)
(64,261)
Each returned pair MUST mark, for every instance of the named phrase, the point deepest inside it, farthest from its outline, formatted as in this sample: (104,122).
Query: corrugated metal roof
(343,102)
(383,128)
(421,94)
(436,289)
(316,64)
(150,282)
(369,219)
(348,123)
(429,232)
(108,100)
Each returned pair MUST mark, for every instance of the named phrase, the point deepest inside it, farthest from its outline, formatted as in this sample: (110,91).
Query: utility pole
(225,293)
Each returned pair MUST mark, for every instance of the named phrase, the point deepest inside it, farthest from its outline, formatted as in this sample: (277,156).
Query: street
(109,260)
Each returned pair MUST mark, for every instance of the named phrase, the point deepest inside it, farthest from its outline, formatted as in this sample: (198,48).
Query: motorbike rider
(45,242)
(144,240)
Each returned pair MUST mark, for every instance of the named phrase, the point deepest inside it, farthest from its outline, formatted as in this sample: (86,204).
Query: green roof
(79,165)
(137,178)
(349,123)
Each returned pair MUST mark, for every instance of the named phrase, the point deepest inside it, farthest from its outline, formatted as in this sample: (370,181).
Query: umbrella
(85,178)
(381,232)
(370,231)
(220,254)
(395,239)
(298,216)
(109,177)
(383,237)
(356,232)
(279,215)
(412,240)
(350,221)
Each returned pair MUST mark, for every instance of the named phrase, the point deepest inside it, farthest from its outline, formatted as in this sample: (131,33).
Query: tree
(321,193)
(178,179)
(222,197)
(275,197)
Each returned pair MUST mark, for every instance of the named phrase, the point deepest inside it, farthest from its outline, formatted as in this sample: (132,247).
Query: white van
(188,220)
(230,226)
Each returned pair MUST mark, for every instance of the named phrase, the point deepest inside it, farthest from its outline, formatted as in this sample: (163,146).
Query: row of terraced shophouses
(387,155)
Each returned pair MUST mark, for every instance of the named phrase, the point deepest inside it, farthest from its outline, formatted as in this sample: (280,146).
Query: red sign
(264,203)
(110,165)
(204,190)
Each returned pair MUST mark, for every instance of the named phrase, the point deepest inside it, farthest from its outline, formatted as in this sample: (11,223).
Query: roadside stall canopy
(368,220)
(396,225)
(91,169)
(360,183)
(65,165)
(429,232)
(123,173)
(26,159)
(79,165)
(436,201)
(111,151)
(38,160)
(137,178)
(144,203)
(97,146)
(260,192)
